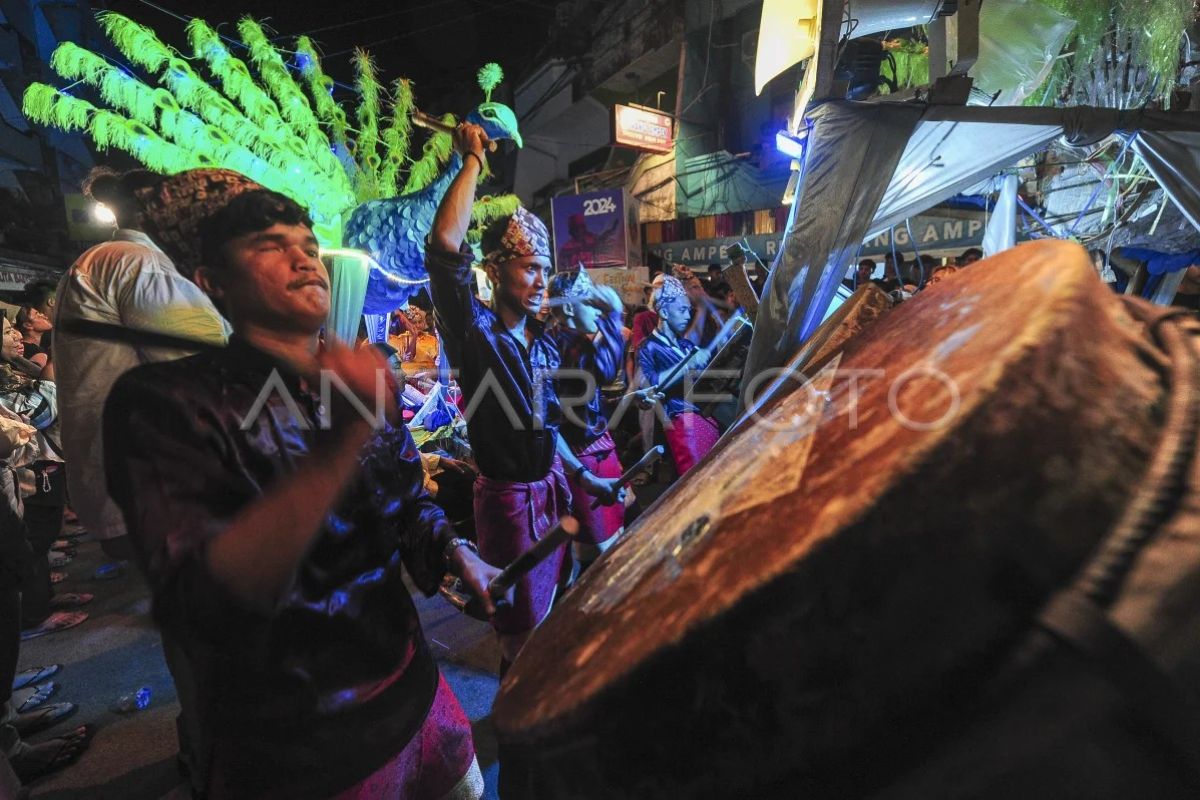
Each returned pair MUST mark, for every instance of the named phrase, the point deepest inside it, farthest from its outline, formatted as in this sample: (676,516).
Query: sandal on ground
(57,577)
(51,755)
(42,717)
(58,559)
(57,621)
(31,697)
(35,675)
(63,546)
(71,600)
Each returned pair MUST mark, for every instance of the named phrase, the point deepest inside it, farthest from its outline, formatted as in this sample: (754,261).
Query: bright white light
(103,214)
(790,146)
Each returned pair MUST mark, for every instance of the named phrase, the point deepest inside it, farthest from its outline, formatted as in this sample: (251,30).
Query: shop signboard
(596,229)
(933,234)
(643,129)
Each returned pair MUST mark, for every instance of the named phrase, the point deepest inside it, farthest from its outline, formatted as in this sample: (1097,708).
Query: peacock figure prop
(274,119)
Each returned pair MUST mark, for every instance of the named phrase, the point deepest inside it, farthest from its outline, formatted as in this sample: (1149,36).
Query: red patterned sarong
(597,525)
(511,516)
(437,764)
(690,436)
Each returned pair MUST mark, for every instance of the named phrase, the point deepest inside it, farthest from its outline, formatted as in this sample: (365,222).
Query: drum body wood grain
(846,568)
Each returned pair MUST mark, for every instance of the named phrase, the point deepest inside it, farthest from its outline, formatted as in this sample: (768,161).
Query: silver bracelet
(454,544)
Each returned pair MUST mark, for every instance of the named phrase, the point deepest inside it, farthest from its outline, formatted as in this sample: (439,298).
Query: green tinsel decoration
(366,180)
(1121,53)
(490,75)
(436,154)
(396,138)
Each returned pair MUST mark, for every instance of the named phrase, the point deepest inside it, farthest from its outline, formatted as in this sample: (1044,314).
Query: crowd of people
(171,394)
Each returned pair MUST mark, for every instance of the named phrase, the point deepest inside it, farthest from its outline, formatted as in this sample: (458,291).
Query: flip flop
(57,577)
(51,755)
(62,545)
(71,600)
(42,717)
(57,621)
(58,559)
(31,697)
(34,675)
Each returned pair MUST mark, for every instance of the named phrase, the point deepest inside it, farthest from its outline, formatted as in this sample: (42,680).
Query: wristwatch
(454,544)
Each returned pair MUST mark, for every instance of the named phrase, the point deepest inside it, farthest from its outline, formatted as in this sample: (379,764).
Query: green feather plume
(490,75)
(366,180)
(137,42)
(320,86)
(396,138)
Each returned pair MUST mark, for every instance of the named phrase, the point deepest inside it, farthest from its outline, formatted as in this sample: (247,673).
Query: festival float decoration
(274,119)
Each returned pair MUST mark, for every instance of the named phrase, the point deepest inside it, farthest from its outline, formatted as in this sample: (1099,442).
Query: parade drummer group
(274,529)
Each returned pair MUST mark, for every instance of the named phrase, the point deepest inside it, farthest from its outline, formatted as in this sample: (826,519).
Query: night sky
(439,44)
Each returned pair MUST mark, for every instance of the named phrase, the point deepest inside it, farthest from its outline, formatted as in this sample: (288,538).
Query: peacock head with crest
(497,120)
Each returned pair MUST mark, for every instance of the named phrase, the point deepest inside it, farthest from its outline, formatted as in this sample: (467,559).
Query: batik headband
(525,236)
(671,290)
(173,210)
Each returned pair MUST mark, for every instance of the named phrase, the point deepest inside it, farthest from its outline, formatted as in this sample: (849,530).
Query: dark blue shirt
(657,358)
(513,412)
(583,420)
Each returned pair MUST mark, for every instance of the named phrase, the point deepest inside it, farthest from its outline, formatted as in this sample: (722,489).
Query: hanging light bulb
(103,214)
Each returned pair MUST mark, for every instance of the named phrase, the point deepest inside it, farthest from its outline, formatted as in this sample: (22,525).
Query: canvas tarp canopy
(930,153)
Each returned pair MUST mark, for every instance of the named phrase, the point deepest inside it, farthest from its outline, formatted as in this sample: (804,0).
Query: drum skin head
(849,562)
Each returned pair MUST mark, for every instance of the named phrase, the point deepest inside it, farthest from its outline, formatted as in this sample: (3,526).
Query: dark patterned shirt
(319,693)
(583,421)
(513,411)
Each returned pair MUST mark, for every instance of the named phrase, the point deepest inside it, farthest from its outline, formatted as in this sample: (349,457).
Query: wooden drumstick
(651,457)
(567,528)
(423,120)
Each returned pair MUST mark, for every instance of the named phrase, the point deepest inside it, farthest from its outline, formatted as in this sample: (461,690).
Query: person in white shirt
(126,282)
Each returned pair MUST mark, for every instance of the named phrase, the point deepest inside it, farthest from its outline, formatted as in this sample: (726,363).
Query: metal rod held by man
(423,120)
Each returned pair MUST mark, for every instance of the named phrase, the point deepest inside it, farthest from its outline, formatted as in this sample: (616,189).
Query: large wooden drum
(815,606)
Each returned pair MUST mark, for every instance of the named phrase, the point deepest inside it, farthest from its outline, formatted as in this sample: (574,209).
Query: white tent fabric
(1001,232)
(944,158)
(931,154)
(1173,158)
